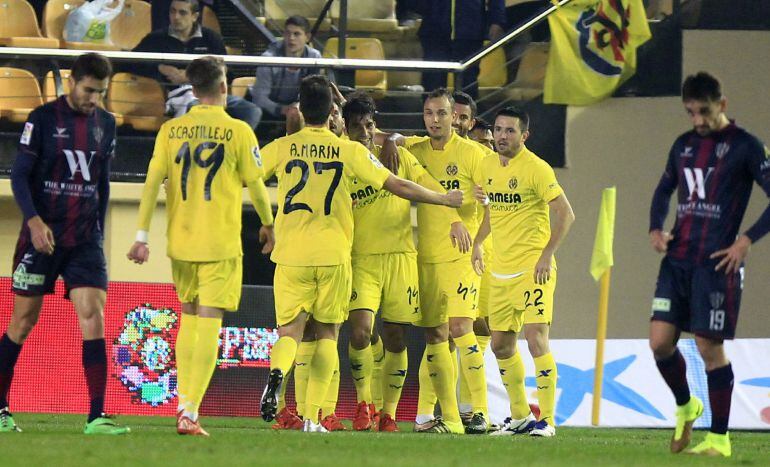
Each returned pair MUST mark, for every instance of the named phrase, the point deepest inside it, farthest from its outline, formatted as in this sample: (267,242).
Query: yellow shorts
(447,290)
(515,300)
(486,279)
(387,282)
(215,284)
(322,291)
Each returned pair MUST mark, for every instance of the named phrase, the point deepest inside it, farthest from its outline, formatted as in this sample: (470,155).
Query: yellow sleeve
(249,158)
(261,200)
(546,186)
(413,171)
(156,173)
(269,156)
(367,168)
(475,165)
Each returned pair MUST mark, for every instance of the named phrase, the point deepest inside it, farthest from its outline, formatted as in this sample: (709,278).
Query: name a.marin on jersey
(203,132)
(314,151)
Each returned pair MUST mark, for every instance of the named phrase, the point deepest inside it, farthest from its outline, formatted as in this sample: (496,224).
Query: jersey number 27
(319,167)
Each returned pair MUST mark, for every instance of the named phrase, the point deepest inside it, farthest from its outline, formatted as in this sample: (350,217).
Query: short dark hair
(481,124)
(91,64)
(195,5)
(464,99)
(299,21)
(205,74)
(701,86)
(359,103)
(515,112)
(438,93)
(315,99)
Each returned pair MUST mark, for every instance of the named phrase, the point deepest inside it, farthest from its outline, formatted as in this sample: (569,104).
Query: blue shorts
(698,299)
(35,273)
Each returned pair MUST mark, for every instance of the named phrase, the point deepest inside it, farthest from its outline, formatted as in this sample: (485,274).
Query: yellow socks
(472,367)
(281,396)
(361,363)
(426,397)
(321,371)
(305,353)
(545,378)
(393,373)
(204,359)
(282,354)
(512,373)
(184,348)
(332,394)
(439,362)
(378,357)
(483,343)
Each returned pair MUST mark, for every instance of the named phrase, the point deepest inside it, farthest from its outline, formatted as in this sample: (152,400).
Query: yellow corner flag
(602,259)
(593,49)
(601,264)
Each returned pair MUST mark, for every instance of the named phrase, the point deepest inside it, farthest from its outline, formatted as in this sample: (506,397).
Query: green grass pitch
(56,440)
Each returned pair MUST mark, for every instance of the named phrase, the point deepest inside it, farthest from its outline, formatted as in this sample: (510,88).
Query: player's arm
(733,256)
(562,218)
(659,208)
(21,172)
(390,142)
(260,199)
(414,192)
(250,166)
(477,256)
(104,182)
(156,173)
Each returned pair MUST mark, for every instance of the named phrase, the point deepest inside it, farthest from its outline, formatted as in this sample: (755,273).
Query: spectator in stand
(447,37)
(184,34)
(276,91)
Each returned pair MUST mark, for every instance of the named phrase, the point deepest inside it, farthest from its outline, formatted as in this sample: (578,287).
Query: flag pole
(601,265)
(601,335)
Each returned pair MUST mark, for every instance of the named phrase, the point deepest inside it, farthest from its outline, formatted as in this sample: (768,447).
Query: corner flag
(602,259)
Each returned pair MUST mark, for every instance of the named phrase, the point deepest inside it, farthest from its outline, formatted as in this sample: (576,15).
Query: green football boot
(105,425)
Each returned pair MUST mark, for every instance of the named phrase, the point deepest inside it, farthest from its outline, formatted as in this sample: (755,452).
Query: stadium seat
(54,18)
(276,12)
(18,26)
(365,48)
(19,94)
(133,23)
(530,76)
(371,16)
(139,100)
(493,72)
(241,85)
(49,90)
(211,21)
(49,85)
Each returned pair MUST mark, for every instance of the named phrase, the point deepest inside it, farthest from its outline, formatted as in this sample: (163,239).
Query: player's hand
(480,195)
(659,240)
(453,198)
(41,234)
(139,253)
(389,155)
(461,238)
(267,238)
(173,74)
(477,259)
(733,256)
(543,268)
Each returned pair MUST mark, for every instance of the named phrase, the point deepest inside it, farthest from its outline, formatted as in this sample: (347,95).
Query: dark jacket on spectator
(471,20)
(204,42)
(279,86)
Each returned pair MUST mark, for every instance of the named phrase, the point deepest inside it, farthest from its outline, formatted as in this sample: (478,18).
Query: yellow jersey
(410,141)
(207,157)
(456,167)
(383,221)
(519,194)
(315,170)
